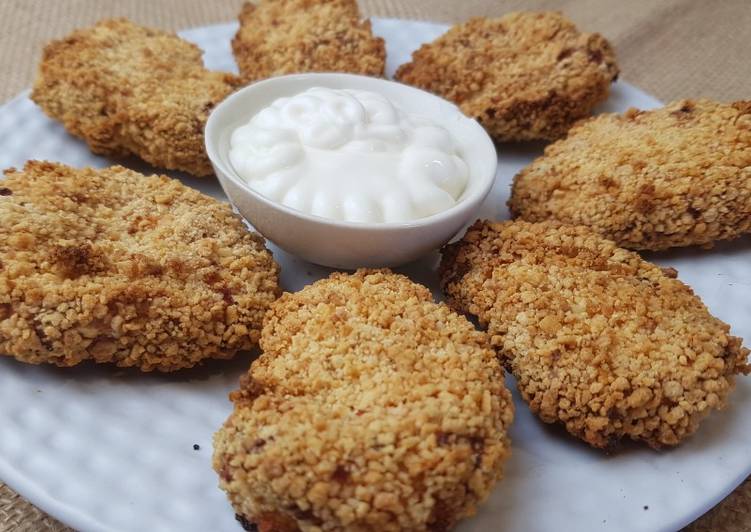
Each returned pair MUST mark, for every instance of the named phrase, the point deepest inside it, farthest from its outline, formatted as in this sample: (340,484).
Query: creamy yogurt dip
(349,155)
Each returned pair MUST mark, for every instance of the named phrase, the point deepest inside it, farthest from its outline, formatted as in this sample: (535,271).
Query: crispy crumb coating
(524,76)
(290,36)
(114,266)
(676,176)
(599,340)
(371,408)
(130,90)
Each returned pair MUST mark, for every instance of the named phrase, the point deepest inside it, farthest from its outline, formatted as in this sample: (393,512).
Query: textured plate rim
(78,519)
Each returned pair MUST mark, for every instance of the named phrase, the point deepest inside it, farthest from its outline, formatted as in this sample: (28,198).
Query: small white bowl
(342,244)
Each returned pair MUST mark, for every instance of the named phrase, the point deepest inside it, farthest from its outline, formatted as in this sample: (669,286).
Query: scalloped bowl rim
(216,147)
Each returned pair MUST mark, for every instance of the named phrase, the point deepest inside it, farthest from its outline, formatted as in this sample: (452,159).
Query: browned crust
(599,340)
(290,36)
(126,89)
(523,76)
(371,408)
(675,176)
(114,266)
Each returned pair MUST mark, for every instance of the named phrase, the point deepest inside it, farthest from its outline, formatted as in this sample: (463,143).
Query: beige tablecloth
(671,48)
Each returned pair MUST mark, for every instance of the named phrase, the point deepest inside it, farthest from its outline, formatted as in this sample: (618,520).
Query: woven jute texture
(670,48)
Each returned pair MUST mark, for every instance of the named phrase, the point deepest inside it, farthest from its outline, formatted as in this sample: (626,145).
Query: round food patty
(598,339)
(524,76)
(126,89)
(279,37)
(114,266)
(371,408)
(675,176)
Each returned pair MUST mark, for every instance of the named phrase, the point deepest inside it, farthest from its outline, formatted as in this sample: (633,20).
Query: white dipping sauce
(349,155)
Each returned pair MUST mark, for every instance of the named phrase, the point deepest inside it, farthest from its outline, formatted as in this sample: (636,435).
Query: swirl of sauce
(349,155)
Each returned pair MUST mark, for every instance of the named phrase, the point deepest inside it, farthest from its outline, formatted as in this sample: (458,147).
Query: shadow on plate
(90,371)
(522,150)
(713,430)
(727,248)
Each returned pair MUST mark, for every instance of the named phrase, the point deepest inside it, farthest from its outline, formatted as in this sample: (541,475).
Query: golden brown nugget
(676,176)
(114,266)
(524,76)
(599,340)
(371,408)
(130,90)
(290,36)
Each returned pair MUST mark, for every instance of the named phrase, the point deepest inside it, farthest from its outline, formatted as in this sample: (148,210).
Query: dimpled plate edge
(105,449)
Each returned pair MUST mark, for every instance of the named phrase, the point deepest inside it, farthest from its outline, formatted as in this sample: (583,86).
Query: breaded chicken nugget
(598,339)
(128,90)
(114,266)
(676,176)
(289,36)
(371,408)
(524,76)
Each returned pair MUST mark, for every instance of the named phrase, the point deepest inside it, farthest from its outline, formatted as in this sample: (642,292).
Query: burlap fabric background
(671,48)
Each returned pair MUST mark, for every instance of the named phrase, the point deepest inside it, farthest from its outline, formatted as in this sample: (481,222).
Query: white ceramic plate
(104,449)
